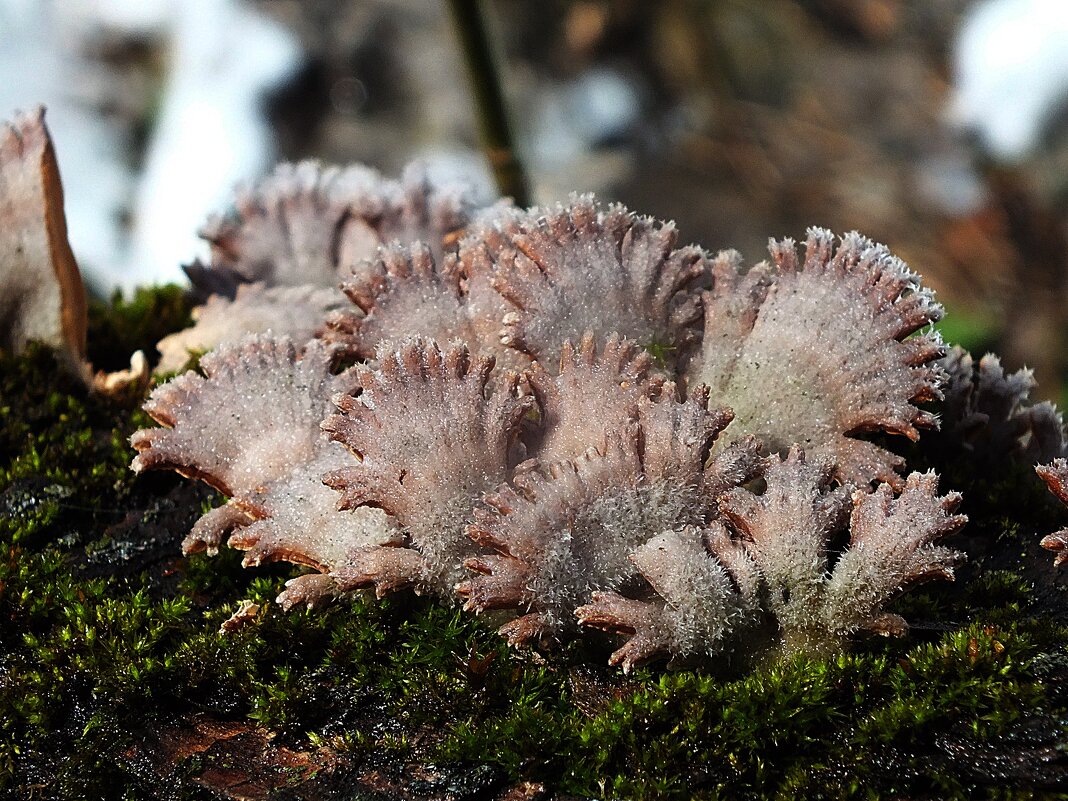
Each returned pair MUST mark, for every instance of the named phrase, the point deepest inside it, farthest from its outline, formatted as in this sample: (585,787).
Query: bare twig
(489,100)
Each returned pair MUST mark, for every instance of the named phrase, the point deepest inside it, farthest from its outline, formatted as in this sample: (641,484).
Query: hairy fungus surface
(311,224)
(593,394)
(710,588)
(786,531)
(697,602)
(579,268)
(524,282)
(250,428)
(564,531)
(293,312)
(893,546)
(432,430)
(408,291)
(815,351)
(307,227)
(604,484)
(618,458)
(558,532)
(988,415)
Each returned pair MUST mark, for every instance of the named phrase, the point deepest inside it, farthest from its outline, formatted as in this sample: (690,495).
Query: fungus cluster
(563,414)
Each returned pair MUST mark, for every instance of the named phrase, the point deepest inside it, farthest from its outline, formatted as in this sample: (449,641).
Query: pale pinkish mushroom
(431,431)
(771,556)
(308,223)
(590,486)
(564,530)
(593,393)
(250,428)
(699,604)
(408,291)
(579,268)
(294,312)
(815,352)
(786,531)
(893,547)
(277,258)
(1055,475)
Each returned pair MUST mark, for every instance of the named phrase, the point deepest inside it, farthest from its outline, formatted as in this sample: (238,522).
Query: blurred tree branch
(494,127)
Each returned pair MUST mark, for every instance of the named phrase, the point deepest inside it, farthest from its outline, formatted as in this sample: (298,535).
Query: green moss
(975,330)
(108,637)
(796,723)
(663,353)
(119,327)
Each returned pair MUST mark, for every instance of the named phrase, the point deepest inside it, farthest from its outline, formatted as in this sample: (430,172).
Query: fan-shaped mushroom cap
(431,432)
(571,269)
(250,428)
(814,351)
(308,223)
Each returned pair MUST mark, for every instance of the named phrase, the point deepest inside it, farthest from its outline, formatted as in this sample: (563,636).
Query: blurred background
(937,127)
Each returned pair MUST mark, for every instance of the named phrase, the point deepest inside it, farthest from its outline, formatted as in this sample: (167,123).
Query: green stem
(485,80)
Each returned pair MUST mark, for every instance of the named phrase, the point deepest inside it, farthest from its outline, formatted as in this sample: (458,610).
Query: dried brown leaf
(41,292)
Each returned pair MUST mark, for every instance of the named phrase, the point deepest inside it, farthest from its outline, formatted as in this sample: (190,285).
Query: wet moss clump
(116,683)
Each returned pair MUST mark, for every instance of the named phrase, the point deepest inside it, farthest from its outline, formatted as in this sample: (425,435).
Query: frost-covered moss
(108,642)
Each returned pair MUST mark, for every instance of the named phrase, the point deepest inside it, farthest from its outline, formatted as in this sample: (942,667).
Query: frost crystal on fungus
(812,352)
(563,414)
(250,428)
